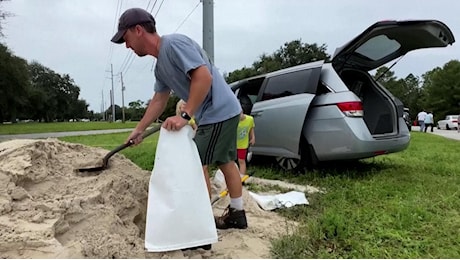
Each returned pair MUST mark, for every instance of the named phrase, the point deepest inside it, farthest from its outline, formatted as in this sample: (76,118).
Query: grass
(143,155)
(402,205)
(29,128)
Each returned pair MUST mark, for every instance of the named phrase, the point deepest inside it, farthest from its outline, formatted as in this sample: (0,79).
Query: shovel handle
(225,192)
(145,134)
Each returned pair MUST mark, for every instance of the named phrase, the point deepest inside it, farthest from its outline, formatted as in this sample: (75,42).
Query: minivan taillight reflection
(351,109)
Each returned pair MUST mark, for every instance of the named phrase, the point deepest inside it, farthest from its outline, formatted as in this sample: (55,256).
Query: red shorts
(242,153)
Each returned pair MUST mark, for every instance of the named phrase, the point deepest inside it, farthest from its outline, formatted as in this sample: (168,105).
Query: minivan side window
(297,82)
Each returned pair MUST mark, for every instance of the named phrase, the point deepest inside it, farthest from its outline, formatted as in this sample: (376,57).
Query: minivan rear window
(378,47)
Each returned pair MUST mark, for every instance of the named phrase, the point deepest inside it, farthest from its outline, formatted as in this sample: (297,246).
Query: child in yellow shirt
(245,137)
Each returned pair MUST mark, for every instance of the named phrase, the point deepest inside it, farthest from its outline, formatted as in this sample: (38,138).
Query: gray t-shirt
(179,55)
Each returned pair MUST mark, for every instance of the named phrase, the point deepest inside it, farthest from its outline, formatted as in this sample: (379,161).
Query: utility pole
(102,107)
(112,94)
(208,28)
(111,102)
(122,97)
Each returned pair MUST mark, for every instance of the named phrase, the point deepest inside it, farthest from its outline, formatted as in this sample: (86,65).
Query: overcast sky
(73,36)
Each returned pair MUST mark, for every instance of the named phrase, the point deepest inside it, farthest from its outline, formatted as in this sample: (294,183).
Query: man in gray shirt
(184,68)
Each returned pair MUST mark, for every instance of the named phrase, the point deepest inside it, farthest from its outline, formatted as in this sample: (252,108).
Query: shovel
(225,192)
(104,163)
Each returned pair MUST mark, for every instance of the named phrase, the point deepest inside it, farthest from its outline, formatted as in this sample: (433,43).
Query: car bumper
(349,138)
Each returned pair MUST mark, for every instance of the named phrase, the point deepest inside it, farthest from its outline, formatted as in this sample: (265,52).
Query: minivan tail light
(351,109)
(455,120)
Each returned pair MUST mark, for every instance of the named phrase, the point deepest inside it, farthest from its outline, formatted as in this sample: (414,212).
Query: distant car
(450,122)
(319,112)
(407,120)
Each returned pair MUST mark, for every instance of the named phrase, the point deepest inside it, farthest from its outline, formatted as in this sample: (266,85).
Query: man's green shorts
(216,143)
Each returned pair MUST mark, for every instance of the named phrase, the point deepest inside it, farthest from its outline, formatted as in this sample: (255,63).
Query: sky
(73,36)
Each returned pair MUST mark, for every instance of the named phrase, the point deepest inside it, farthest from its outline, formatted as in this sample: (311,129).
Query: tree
(14,83)
(54,96)
(291,54)
(412,93)
(136,110)
(442,89)
(3,16)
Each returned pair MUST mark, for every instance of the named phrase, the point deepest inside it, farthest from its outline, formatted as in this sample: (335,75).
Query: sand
(48,210)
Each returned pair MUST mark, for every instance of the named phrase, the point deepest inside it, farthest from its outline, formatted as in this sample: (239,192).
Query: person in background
(421,119)
(245,137)
(184,68)
(429,121)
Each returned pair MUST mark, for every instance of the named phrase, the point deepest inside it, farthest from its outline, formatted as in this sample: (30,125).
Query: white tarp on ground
(284,200)
(179,214)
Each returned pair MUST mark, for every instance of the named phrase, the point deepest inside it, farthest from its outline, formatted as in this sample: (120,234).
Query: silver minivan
(319,111)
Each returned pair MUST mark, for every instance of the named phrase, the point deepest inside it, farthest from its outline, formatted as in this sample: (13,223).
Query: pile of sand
(47,210)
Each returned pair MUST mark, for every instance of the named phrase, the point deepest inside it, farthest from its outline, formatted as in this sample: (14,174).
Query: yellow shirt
(244,127)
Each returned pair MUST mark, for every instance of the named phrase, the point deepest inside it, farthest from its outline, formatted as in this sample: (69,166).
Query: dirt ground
(48,210)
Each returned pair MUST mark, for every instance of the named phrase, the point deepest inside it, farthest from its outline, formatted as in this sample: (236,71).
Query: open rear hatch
(387,40)
(377,45)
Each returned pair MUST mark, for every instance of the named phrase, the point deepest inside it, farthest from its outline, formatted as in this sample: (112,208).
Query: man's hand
(174,123)
(135,137)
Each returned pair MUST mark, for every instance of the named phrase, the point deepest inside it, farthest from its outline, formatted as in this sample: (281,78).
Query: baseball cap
(130,18)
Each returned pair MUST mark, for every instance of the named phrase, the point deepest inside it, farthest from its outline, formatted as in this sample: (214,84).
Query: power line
(110,54)
(185,19)
(161,4)
(148,5)
(129,58)
(153,6)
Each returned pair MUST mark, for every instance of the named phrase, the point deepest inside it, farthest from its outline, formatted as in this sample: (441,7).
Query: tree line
(33,91)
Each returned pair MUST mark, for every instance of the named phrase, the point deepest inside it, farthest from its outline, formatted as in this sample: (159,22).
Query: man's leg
(216,143)
(232,179)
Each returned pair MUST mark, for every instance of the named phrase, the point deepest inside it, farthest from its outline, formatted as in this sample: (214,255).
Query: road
(452,134)
(61,134)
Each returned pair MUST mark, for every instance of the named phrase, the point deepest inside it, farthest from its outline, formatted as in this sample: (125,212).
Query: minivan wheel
(289,164)
(293,164)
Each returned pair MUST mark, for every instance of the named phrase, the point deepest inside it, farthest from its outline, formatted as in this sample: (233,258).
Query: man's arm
(201,81)
(156,107)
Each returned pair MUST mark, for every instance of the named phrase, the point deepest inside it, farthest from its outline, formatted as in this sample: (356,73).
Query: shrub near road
(402,205)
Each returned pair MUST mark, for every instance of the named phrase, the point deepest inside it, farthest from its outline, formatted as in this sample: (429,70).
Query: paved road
(61,134)
(452,134)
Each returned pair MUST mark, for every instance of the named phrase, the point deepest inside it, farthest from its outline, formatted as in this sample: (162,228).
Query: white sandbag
(283,200)
(179,213)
